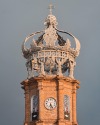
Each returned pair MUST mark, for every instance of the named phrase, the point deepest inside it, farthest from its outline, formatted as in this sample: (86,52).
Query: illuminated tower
(50,89)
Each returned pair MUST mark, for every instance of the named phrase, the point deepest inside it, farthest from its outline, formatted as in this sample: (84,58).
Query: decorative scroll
(66,107)
(34,107)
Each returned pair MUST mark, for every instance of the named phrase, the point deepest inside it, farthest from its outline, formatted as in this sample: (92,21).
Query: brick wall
(51,87)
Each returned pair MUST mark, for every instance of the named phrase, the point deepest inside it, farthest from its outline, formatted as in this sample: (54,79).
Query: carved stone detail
(50,54)
(50,36)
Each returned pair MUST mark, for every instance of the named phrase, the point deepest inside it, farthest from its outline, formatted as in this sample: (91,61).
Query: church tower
(50,88)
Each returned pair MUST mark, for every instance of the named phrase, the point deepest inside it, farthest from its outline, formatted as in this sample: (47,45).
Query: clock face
(50,103)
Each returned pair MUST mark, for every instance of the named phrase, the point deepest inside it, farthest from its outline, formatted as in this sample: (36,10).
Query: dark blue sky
(19,18)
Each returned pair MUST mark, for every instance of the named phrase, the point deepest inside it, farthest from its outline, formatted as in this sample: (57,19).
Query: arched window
(34,107)
(67,107)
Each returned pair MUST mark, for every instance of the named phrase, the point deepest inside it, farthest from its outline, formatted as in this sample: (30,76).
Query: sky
(18,19)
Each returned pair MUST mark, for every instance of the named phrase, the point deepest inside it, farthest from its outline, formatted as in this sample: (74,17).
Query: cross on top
(50,8)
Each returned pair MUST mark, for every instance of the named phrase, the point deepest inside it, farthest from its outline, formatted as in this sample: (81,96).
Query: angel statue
(42,72)
(59,66)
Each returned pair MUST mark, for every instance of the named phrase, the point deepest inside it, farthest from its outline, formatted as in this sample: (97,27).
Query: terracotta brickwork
(50,87)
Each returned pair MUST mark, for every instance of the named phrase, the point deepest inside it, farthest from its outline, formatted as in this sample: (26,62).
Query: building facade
(50,88)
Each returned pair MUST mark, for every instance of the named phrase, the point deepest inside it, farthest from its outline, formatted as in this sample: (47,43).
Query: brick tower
(50,92)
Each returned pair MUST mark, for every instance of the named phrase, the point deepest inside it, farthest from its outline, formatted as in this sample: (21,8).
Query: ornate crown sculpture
(50,54)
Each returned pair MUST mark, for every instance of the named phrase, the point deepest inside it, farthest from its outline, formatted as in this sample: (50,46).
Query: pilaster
(60,103)
(27,104)
(40,89)
(74,106)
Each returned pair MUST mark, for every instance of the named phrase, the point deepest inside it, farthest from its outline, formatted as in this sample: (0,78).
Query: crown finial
(50,8)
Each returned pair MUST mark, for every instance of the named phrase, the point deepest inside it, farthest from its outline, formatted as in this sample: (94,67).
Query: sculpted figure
(71,68)
(29,68)
(50,64)
(59,62)
(42,72)
(35,64)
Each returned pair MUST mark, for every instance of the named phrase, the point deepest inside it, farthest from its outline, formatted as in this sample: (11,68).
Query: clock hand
(51,105)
